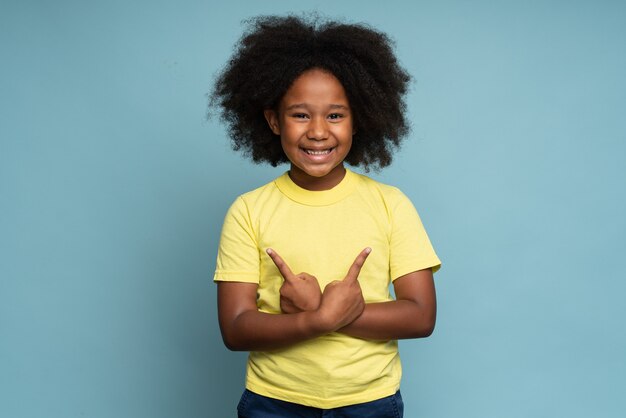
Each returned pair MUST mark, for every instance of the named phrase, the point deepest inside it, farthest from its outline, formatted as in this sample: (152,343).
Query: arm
(243,327)
(411,315)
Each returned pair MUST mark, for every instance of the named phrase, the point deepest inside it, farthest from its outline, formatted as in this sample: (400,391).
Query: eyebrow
(332,106)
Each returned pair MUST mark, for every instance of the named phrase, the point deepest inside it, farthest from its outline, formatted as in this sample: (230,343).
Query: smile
(318,152)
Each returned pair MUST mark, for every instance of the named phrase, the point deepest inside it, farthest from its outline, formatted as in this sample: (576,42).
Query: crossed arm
(310,313)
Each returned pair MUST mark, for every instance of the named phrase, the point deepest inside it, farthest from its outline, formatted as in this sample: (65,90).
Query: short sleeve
(238,254)
(410,248)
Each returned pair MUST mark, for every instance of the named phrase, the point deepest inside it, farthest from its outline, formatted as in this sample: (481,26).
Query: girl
(305,262)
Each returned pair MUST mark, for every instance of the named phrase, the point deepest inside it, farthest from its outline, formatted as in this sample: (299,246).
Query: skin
(315,115)
(245,328)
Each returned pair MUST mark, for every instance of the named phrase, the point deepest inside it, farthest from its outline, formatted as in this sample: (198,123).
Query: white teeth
(311,152)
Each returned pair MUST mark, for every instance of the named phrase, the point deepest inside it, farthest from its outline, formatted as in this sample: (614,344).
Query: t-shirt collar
(316,198)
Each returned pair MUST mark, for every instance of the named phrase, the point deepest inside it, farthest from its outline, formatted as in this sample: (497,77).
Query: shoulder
(390,195)
(260,193)
(248,203)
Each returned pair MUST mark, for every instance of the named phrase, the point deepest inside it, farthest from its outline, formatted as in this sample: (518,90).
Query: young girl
(305,262)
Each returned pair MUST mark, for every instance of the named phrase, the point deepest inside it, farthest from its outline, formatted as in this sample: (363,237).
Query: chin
(318,172)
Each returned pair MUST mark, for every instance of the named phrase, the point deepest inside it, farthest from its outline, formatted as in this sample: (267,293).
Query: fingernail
(269,251)
(368,250)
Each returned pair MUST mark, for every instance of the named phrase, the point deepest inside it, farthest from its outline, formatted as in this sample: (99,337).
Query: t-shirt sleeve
(410,248)
(238,257)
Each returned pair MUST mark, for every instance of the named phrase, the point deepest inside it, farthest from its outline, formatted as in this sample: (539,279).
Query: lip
(318,157)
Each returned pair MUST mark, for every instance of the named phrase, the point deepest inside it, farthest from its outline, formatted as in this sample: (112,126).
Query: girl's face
(315,127)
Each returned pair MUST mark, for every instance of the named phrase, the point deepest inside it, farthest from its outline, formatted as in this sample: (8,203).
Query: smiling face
(315,127)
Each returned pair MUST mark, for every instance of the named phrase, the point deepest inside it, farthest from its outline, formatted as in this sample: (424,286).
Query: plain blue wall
(113,187)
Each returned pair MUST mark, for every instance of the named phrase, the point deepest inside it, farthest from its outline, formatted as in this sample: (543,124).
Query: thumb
(355,268)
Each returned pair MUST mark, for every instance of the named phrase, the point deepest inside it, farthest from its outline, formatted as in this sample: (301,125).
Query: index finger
(355,268)
(283,268)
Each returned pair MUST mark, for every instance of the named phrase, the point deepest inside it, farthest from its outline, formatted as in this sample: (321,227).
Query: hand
(299,292)
(342,300)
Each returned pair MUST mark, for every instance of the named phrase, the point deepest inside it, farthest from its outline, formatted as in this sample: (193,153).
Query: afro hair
(275,50)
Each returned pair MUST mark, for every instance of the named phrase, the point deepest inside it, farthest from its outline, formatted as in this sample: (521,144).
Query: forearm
(411,315)
(245,328)
(394,320)
(259,331)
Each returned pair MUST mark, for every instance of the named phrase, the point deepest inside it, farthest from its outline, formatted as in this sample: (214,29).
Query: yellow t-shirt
(321,233)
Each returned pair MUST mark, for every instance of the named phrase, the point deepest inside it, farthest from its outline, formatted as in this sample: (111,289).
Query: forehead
(315,87)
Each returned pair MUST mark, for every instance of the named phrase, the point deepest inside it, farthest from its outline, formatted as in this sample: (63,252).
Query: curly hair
(275,50)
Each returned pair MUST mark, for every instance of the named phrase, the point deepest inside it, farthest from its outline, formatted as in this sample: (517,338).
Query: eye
(335,116)
(299,115)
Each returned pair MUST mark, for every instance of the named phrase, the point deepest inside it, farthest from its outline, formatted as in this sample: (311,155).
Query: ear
(272,120)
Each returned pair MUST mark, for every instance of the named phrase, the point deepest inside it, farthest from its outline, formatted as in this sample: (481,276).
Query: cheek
(290,147)
(348,140)
(347,146)
(286,141)
(289,134)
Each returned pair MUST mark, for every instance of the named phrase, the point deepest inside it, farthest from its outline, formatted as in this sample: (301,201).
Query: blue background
(113,187)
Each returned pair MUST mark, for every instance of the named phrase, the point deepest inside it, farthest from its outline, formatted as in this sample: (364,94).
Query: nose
(317,129)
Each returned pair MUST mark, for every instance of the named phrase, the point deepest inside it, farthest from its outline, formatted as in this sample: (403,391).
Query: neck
(313,183)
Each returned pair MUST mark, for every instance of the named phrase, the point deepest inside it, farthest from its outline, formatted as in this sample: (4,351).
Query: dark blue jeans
(253,405)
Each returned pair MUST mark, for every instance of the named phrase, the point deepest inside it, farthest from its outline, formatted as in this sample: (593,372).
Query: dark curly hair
(275,50)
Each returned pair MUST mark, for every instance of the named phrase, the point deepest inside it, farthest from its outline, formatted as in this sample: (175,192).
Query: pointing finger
(355,268)
(283,268)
